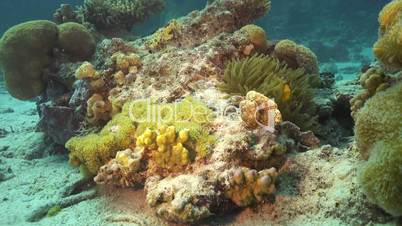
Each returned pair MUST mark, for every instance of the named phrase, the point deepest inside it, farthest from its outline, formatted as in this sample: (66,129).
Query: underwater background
(336,30)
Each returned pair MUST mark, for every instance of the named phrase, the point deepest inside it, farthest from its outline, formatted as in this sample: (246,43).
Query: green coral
(290,88)
(380,177)
(118,14)
(379,137)
(25,51)
(190,114)
(96,149)
(379,119)
(76,41)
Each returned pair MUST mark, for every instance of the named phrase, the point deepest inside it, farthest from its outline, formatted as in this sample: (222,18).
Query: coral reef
(118,15)
(199,26)
(25,51)
(296,56)
(76,41)
(289,88)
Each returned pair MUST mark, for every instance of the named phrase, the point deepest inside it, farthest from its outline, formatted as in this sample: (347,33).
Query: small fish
(286,92)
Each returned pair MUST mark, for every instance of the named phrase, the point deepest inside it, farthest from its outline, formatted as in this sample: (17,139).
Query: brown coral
(296,56)
(246,186)
(259,110)
(97,109)
(389,15)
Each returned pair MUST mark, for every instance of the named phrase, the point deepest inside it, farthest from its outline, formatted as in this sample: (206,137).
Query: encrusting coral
(289,88)
(296,56)
(96,149)
(118,14)
(259,110)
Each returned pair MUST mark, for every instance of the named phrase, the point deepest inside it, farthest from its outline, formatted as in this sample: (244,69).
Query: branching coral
(259,110)
(296,56)
(246,186)
(96,149)
(118,14)
(289,88)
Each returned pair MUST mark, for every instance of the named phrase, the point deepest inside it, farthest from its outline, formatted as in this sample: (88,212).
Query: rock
(6,110)
(302,140)
(59,122)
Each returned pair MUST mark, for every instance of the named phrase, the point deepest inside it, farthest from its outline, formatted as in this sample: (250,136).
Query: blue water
(334,29)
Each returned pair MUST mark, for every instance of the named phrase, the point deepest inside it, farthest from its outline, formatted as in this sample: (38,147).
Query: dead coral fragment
(296,56)
(290,88)
(246,186)
(259,110)
(123,171)
(183,199)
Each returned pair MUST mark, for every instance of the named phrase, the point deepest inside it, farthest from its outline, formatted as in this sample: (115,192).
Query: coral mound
(25,51)
(76,41)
